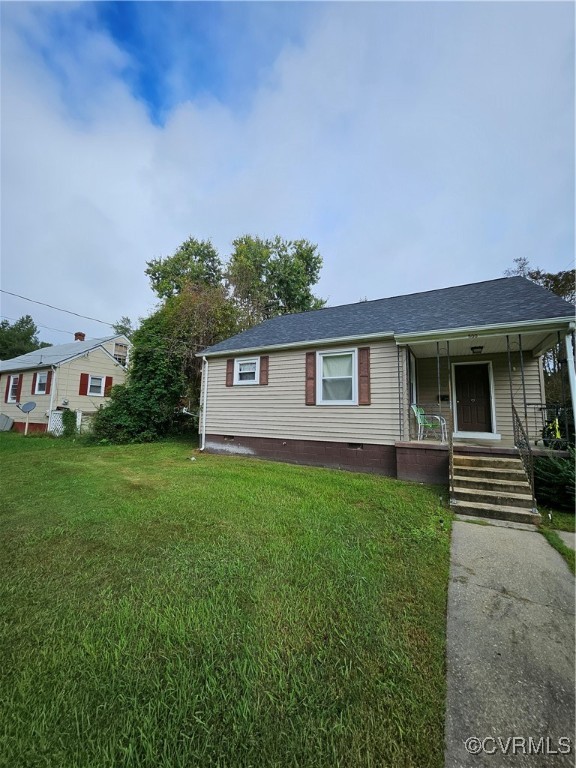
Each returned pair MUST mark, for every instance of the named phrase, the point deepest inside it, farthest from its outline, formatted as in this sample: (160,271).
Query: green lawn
(159,612)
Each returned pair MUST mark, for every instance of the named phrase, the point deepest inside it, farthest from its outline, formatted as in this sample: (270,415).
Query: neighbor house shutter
(310,378)
(230,372)
(264,370)
(364,376)
(107,386)
(7,389)
(19,390)
(83,384)
(33,390)
(48,382)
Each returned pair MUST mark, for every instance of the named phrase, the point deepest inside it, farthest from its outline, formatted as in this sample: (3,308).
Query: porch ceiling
(536,342)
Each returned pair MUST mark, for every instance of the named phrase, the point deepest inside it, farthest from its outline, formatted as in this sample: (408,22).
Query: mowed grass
(164,613)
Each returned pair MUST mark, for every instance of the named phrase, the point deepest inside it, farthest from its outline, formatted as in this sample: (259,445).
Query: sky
(418,144)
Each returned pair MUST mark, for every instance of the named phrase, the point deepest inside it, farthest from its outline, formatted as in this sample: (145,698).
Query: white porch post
(570,366)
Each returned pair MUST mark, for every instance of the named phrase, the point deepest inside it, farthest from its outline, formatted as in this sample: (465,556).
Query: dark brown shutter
(107,386)
(264,370)
(19,390)
(33,390)
(7,389)
(48,382)
(83,384)
(230,372)
(364,376)
(310,378)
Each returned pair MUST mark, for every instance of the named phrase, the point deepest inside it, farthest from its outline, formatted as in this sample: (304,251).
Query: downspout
(204,402)
(52,391)
(570,365)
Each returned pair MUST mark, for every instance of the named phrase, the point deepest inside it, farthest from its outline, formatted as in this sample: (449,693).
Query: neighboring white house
(76,376)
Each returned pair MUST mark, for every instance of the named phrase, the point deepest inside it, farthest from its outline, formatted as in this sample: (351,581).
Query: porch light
(476,350)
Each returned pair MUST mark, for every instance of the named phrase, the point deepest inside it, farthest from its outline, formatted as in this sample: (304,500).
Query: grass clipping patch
(224,612)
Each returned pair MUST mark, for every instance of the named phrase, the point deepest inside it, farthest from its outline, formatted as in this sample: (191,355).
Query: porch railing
(451,463)
(522,442)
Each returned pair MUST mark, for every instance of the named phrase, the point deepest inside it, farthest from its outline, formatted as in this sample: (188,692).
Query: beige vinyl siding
(65,386)
(38,415)
(278,409)
(96,363)
(428,387)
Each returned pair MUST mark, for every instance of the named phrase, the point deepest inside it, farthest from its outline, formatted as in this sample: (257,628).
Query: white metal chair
(430,423)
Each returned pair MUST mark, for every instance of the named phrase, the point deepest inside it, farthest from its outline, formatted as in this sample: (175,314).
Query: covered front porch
(480,397)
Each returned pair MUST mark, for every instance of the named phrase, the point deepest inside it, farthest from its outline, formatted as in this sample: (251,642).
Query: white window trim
(13,378)
(38,391)
(244,383)
(319,378)
(96,394)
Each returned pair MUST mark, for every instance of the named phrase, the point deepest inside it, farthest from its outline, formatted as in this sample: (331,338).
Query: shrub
(69,423)
(554,479)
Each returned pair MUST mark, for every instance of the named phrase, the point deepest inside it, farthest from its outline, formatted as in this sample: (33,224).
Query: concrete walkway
(510,651)
(568,537)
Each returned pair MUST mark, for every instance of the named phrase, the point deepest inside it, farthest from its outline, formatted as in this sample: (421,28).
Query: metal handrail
(451,463)
(522,442)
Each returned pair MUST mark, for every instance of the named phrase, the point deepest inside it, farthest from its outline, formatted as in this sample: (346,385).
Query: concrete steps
(492,486)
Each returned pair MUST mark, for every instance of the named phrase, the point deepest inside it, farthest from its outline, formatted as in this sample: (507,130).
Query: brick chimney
(79,336)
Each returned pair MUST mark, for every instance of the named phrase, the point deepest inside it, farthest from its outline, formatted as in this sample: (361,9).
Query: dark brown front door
(473,398)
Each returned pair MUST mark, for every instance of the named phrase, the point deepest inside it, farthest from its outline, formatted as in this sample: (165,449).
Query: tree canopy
(202,302)
(561,283)
(19,337)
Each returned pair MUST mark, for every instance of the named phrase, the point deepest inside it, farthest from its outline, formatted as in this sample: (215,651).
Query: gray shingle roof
(507,300)
(47,356)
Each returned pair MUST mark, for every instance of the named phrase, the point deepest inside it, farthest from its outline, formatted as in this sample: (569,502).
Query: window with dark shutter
(364,376)
(310,378)
(19,390)
(34,378)
(48,382)
(107,386)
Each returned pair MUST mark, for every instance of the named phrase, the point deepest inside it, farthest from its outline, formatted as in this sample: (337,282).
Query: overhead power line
(38,325)
(59,309)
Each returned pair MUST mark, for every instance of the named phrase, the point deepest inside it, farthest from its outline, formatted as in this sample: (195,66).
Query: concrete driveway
(510,650)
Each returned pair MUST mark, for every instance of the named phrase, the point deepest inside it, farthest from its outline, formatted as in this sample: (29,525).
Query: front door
(473,405)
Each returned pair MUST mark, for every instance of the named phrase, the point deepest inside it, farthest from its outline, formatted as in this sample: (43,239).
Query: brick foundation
(358,457)
(424,463)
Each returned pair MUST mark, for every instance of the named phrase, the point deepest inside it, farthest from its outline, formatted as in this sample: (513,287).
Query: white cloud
(419,146)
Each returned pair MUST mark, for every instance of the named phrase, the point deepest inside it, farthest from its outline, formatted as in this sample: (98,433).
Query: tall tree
(273,277)
(195,262)
(124,326)
(19,338)
(562,284)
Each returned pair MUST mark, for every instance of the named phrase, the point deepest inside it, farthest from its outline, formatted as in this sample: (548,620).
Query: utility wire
(85,317)
(38,325)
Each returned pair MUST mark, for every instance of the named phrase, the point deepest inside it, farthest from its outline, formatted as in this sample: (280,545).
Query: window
(247,370)
(41,383)
(121,353)
(336,383)
(96,386)
(12,391)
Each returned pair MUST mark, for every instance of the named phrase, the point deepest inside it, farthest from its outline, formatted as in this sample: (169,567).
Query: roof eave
(487,330)
(298,344)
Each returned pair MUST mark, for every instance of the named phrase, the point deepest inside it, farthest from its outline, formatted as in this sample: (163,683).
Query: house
(76,376)
(341,386)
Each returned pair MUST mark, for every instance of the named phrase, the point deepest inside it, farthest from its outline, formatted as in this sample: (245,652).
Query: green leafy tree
(195,262)
(124,326)
(562,284)
(19,338)
(273,277)
(144,408)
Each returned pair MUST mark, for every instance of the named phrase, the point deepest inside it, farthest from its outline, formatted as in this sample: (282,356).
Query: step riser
(488,484)
(500,499)
(488,462)
(492,474)
(496,514)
